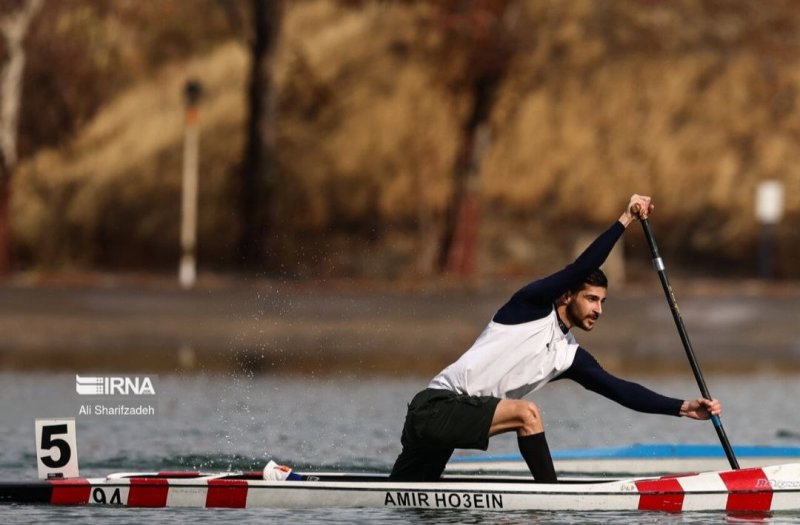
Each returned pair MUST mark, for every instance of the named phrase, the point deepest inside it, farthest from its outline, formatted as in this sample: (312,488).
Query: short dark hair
(595,278)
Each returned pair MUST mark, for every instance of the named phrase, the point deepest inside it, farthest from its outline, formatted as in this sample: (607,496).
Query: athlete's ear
(566,298)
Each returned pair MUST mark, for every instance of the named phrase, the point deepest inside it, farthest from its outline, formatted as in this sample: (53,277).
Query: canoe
(775,488)
(637,459)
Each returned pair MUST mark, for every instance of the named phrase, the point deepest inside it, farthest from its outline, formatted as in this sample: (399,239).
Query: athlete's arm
(586,371)
(535,300)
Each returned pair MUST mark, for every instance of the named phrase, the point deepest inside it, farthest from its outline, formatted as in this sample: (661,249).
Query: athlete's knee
(531,419)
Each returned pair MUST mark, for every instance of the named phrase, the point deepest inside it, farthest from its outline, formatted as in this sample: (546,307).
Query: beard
(580,319)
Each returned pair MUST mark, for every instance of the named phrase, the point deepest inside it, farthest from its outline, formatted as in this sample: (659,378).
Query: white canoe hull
(766,489)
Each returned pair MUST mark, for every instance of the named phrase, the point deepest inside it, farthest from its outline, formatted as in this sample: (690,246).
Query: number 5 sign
(56,451)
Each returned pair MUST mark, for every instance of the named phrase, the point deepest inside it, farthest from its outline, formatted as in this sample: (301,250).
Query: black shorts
(439,421)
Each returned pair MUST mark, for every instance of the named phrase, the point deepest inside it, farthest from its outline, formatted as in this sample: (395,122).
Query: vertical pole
(769,211)
(187,272)
(766,251)
(5,220)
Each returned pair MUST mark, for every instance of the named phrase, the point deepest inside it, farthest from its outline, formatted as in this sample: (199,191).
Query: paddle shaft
(687,345)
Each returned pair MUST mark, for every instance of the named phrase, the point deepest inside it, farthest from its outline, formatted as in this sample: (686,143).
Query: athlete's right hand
(639,207)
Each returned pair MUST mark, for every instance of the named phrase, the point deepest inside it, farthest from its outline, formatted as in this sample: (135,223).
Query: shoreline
(124,323)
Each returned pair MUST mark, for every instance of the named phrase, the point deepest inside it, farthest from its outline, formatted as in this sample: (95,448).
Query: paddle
(687,345)
(790,434)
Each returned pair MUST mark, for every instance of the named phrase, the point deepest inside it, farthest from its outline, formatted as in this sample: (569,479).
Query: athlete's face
(585,307)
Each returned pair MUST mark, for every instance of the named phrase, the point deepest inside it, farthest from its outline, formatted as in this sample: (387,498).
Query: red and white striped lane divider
(163,489)
(746,490)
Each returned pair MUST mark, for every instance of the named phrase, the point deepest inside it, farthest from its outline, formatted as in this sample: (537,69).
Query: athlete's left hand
(701,408)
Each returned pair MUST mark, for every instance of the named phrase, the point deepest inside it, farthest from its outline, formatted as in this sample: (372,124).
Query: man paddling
(526,345)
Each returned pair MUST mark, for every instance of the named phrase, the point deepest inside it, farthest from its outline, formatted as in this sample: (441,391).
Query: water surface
(348,423)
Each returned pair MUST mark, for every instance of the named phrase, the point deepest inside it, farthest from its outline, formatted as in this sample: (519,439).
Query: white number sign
(56,449)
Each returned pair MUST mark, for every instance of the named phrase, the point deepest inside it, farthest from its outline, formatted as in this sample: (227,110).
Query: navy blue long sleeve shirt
(535,301)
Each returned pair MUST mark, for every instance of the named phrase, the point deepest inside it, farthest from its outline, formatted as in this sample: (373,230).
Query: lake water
(347,423)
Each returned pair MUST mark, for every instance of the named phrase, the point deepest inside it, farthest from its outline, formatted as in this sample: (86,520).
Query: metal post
(187,273)
(769,211)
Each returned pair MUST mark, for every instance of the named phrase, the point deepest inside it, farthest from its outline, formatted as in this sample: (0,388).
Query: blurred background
(343,183)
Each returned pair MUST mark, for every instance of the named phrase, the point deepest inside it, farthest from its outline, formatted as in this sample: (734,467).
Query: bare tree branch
(14,23)
(14,26)
(258,171)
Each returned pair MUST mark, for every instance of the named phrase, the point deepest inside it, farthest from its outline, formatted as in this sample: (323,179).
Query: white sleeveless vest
(510,361)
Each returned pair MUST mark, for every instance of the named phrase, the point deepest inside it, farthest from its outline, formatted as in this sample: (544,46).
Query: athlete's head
(583,304)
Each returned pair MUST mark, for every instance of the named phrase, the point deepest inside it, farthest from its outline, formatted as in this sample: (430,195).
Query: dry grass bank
(113,195)
(692,101)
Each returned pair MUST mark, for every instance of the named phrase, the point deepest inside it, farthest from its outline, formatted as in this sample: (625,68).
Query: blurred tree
(479,44)
(258,169)
(15,19)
